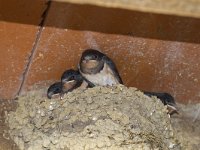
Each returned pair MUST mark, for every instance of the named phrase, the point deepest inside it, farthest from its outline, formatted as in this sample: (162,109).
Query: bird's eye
(72,78)
(95,56)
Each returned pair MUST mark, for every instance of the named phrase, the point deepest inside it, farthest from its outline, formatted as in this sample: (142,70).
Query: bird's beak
(49,95)
(52,95)
(172,110)
(89,64)
(61,95)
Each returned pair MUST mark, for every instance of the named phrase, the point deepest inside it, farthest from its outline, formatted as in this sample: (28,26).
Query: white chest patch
(103,78)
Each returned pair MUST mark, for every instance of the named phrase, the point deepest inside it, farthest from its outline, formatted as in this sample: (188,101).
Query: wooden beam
(189,8)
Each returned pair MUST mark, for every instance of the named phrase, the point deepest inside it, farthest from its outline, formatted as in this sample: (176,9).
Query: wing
(112,66)
(166,98)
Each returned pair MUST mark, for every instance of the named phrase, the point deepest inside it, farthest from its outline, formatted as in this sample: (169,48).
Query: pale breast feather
(103,78)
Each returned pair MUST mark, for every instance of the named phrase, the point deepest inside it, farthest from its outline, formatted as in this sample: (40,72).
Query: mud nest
(97,118)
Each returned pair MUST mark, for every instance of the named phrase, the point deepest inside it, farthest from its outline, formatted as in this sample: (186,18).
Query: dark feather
(54,89)
(113,67)
(166,98)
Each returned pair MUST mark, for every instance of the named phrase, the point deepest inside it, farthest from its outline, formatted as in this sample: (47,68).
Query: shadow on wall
(111,21)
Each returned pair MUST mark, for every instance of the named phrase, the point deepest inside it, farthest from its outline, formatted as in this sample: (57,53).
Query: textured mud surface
(97,118)
(5,142)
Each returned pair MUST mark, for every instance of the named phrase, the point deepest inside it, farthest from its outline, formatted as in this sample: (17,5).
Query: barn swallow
(99,69)
(166,99)
(54,90)
(72,79)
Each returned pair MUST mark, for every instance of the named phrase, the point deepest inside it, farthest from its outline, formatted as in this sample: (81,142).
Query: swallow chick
(72,79)
(54,90)
(98,69)
(166,99)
